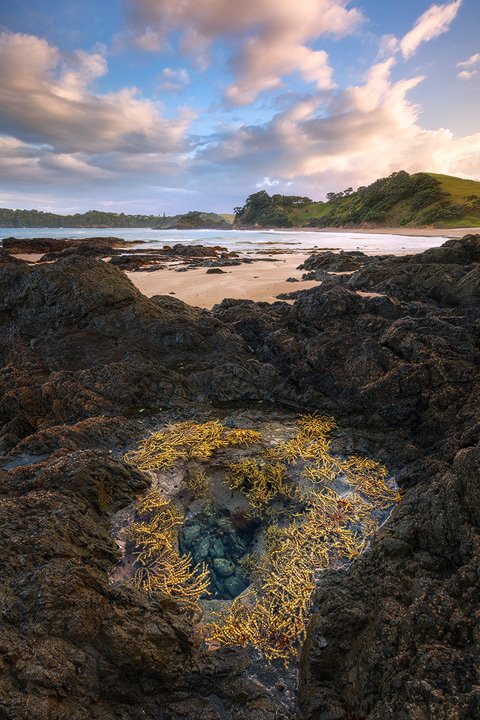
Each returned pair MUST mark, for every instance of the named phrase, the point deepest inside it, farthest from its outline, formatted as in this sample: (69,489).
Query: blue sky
(153,105)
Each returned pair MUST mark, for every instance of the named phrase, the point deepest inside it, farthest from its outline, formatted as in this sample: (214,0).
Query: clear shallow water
(243,240)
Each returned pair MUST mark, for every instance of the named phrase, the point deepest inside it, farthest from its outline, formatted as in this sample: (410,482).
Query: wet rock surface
(86,360)
(323,262)
(57,245)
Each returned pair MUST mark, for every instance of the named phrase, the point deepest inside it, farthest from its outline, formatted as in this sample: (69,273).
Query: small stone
(191,533)
(225,524)
(223,568)
(217,550)
(234,585)
(240,574)
(202,548)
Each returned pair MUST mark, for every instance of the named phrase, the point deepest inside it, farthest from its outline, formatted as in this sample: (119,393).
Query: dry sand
(259,281)
(29,257)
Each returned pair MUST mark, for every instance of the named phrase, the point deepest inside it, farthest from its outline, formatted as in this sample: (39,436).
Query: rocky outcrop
(74,644)
(449,275)
(55,245)
(321,263)
(397,636)
(374,361)
(79,340)
(85,358)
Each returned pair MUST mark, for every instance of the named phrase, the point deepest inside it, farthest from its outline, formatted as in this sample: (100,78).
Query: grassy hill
(398,200)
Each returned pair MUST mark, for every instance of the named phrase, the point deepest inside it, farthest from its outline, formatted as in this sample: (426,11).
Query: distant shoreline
(427,231)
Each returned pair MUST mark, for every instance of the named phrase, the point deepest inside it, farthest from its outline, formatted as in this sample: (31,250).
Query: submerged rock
(223,568)
(235,585)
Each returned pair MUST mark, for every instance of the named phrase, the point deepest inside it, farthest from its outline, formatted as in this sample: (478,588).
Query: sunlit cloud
(45,97)
(271,37)
(469,66)
(433,22)
(174,80)
(370,131)
(71,125)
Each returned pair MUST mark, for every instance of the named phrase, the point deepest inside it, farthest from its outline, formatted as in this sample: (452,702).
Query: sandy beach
(262,280)
(259,281)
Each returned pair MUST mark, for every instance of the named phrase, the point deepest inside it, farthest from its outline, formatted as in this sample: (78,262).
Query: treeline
(90,219)
(374,203)
(269,211)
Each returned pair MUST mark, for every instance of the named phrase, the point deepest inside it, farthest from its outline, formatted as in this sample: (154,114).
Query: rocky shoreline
(90,366)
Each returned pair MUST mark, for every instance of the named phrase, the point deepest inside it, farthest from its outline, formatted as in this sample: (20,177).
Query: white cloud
(174,80)
(433,22)
(268,182)
(471,61)
(370,131)
(271,37)
(45,97)
(470,70)
(467,74)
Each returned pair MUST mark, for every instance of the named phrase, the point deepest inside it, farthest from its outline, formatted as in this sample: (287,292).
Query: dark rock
(139,261)
(33,245)
(215,271)
(5,258)
(192,251)
(449,274)
(82,249)
(83,353)
(404,614)
(191,533)
(73,643)
(320,263)
(56,245)
(79,340)
(234,585)
(218,550)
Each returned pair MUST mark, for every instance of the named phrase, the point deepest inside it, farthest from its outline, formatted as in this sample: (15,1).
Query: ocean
(245,240)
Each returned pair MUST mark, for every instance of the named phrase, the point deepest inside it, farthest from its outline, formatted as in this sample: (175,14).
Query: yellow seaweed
(159,566)
(326,530)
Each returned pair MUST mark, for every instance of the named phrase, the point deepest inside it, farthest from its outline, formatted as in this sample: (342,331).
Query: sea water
(244,240)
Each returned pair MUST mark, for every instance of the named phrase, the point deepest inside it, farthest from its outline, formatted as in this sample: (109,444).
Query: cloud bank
(272,37)
(370,131)
(63,140)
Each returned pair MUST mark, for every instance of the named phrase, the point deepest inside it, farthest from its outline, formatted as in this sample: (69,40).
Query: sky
(153,106)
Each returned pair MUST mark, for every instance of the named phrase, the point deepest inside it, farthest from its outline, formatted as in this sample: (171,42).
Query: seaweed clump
(160,567)
(330,507)
(331,530)
(261,482)
(187,441)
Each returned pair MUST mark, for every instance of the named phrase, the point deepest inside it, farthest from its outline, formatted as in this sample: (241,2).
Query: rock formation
(88,364)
